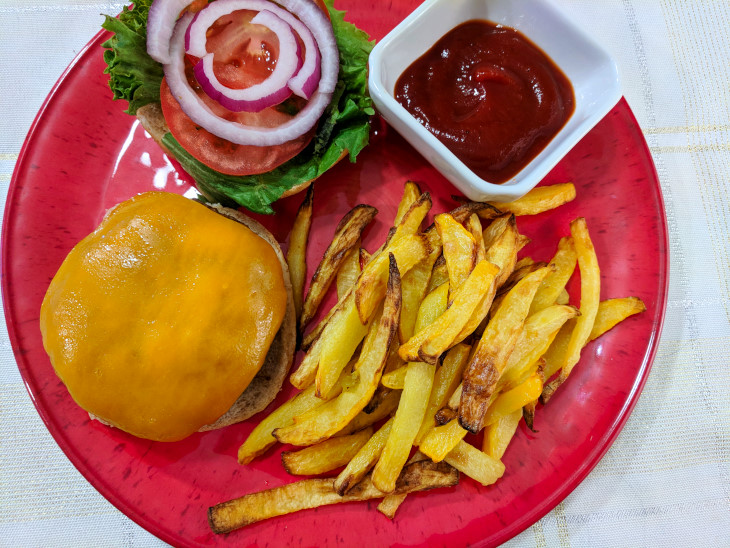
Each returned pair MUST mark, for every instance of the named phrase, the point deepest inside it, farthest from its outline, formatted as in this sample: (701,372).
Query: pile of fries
(440,333)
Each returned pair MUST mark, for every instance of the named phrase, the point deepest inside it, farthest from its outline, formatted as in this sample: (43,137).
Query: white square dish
(591,71)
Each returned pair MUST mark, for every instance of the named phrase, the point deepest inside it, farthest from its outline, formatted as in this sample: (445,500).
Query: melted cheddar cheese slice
(159,319)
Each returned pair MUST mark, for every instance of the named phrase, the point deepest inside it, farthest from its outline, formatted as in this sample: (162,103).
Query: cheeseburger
(171,317)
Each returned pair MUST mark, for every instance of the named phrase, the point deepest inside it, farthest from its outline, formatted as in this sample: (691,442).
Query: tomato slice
(244,55)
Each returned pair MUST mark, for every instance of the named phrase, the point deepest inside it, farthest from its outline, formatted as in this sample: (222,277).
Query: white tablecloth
(666,480)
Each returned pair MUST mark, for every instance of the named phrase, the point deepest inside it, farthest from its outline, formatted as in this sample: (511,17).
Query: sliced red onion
(160,24)
(271,91)
(196,38)
(305,81)
(238,133)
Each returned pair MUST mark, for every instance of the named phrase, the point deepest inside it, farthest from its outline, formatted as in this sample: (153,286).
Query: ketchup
(490,95)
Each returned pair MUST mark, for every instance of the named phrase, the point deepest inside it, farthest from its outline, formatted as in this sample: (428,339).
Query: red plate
(83,155)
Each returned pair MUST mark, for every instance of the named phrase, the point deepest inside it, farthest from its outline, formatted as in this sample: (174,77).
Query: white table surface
(666,480)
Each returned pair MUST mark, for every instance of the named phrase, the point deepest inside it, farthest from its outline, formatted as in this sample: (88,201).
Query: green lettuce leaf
(344,127)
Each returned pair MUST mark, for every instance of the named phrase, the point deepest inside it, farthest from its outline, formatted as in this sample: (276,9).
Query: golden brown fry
(498,434)
(540,199)
(410,412)
(590,295)
(260,439)
(441,440)
(605,320)
(459,249)
(387,407)
(564,261)
(466,209)
(408,251)
(563,298)
(474,226)
(414,285)
(333,416)
(494,229)
(433,306)
(410,222)
(411,193)
(439,274)
(312,493)
(479,466)
(296,255)
(340,339)
(395,379)
(445,381)
(490,357)
(502,247)
(324,456)
(539,331)
(347,236)
(390,504)
(514,399)
(363,461)
(443,332)
(348,272)
(614,311)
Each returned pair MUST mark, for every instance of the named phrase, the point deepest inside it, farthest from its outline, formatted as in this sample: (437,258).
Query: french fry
(610,313)
(414,284)
(333,416)
(590,295)
(395,379)
(390,503)
(347,237)
(539,199)
(514,399)
(459,249)
(502,252)
(411,193)
(408,251)
(439,274)
(442,333)
(387,407)
(348,272)
(564,261)
(563,298)
(296,255)
(474,226)
(306,372)
(260,439)
(312,493)
(325,456)
(432,307)
(472,462)
(410,222)
(482,209)
(614,311)
(539,331)
(502,246)
(491,354)
(494,229)
(445,381)
(441,440)
(498,434)
(363,461)
(340,339)
(410,412)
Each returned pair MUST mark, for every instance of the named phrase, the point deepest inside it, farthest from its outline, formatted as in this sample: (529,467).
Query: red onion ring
(303,82)
(271,91)
(160,25)
(241,134)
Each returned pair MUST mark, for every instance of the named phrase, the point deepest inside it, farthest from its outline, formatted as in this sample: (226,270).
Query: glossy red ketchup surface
(490,95)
